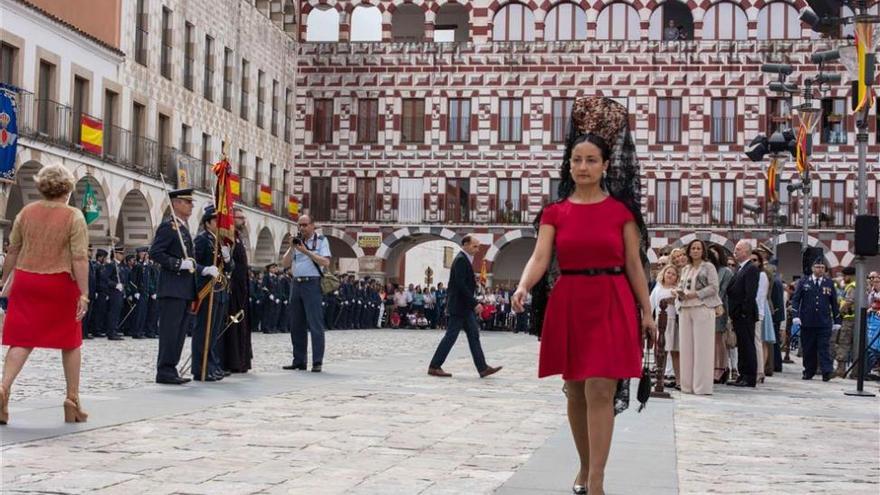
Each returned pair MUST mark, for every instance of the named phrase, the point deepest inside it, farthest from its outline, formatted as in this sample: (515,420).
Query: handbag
(719,311)
(329,280)
(729,337)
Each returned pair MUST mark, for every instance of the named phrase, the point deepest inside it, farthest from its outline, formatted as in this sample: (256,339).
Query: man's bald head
(742,251)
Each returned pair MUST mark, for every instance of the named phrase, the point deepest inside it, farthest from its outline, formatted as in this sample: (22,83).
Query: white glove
(272,298)
(137,296)
(153,296)
(210,271)
(835,327)
(186,265)
(224,250)
(795,321)
(119,287)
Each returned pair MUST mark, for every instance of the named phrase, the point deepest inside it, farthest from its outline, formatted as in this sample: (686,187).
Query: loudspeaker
(809,256)
(867,235)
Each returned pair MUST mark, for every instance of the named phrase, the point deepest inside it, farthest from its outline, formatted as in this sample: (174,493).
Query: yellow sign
(369,240)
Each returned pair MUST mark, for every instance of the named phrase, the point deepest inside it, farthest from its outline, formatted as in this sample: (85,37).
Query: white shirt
(761,298)
(469,257)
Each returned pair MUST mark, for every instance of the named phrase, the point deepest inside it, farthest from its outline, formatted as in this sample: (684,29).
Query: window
(46,107)
(452,24)
(509,206)
(185,139)
(834,121)
(458,126)
(189,49)
(457,200)
(8,57)
(832,202)
(366,24)
(138,124)
(208,89)
(725,21)
(141,33)
(322,24)
(723,120)
(778,114)
(285,185)
(618,21)
(671,21)
(163,136)
(514,22)
(564,22)
(288,112)
(275,96)
(668,121)
(408,23)
(510,121)
(365,200)
(722,202)
(261,99)
(80,105)
(368,120)
(111,138)
(207,173)
(322,127)
(668,202)
(319,198)
(778,21)
(554,189)
(413,129)
(245,88)
(242,157)
(227,79)
(165,62)
(561,116)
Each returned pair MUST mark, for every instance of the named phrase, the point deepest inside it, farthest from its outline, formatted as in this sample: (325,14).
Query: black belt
(592,272)
(304,279)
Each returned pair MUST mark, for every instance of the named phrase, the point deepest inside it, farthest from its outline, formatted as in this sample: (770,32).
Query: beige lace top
(48,236)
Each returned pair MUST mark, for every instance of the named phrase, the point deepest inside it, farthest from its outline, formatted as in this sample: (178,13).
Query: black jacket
(462,286)
(167,252)
(741,294)
(204,256)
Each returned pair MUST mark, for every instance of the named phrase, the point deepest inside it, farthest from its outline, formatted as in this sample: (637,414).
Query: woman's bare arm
(540,259)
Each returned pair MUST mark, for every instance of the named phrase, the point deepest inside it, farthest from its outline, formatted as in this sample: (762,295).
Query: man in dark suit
(814,307)
(741,299)
(98,314)
(463,309)
(115,275)
(177,284)
(93,293)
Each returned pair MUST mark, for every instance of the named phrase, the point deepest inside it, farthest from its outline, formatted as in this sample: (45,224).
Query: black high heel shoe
(579,490)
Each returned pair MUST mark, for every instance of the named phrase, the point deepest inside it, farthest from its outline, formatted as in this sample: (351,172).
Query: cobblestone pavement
(374,423)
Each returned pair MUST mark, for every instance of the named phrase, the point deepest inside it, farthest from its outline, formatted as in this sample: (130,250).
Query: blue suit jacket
(815,305)
(462,287)
(167,252)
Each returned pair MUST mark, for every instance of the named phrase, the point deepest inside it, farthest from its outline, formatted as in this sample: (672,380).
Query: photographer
(309,254)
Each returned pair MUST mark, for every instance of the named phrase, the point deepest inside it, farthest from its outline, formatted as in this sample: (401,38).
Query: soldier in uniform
(331,309)
(126,321)
(218,305)
(98,313)
(114,273)
(139,282)
(256,301)
(843,340)
(152,320)
(93,294)
(270,288)
(177,284)
(814,307)
(282,294)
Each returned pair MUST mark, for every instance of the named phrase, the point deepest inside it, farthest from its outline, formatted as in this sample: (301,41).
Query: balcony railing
(279,203)
(248,192)
(720,213)
(665,213)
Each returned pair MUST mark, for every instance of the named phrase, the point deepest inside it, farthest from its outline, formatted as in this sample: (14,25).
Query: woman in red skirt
(48,251)
(598,311)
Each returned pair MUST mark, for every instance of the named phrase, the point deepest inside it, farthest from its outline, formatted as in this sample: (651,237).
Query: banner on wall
(8,131)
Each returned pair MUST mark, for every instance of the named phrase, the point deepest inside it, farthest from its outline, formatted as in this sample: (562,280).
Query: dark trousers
(174,320)
(139,317)
(152,323)
(256,315)
(817,350)
(98,315)
(457,323)
(777,348)
(218,315)
(747,361)
(307,317)
(114,312)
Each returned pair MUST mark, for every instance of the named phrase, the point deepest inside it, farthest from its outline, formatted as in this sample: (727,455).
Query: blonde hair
(662,274)
(54,181)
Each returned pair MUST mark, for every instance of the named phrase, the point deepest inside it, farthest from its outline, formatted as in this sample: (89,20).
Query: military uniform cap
(119,249)
(850,270)
(209,213)
(142,249)
(819,261)
(185,194)
(101,252)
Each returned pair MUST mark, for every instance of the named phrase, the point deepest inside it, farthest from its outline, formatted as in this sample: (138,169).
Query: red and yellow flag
(484,275)
(235,186)
(91,134)
(864,40)
(293,207)
(772,181)
(265,199)
(224,203)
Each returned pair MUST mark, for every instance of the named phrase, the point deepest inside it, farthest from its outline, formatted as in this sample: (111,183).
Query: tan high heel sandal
(73,412)
(4,406)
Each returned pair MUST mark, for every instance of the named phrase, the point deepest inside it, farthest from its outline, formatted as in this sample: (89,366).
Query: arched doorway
(510,261)
(408,257)
(134,227)
(24,191)
(408,24)
(264,253)
(99,230)
(285,244)
(345,254)
(790,260)
(452,24)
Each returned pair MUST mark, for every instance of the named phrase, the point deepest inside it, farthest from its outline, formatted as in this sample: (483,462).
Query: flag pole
(217,198)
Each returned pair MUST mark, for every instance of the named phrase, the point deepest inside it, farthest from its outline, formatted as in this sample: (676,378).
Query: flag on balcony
(293,207)
(90,205)
(864,43)
(91,134)
(265,199)
(772,193)
(484,276)
(235,186)
(8,131)
(224,203)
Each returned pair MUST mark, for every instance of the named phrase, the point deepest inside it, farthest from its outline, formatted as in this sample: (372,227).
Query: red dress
(591,328)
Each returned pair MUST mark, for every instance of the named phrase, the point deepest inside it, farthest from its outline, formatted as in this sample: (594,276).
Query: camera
(297,239)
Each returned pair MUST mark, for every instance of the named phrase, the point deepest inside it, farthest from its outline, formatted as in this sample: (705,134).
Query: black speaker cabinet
(809,256)
(867,235)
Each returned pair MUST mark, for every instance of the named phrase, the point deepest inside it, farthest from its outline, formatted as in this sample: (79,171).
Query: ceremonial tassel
(864,35)
(771,181)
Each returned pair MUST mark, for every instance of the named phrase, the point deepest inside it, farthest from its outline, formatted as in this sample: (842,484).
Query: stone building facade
(403,135)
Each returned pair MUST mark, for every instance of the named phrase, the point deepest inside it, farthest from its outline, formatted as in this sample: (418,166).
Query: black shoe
(316,368)
(175,380)
(806,376)
(115,337)
(209,378)
(139,337)
(226,373)
(743,384)
(826,377)
(295,366)
(87,337)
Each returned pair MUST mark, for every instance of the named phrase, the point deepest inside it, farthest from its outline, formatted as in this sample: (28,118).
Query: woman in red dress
(48,249)
(591,332)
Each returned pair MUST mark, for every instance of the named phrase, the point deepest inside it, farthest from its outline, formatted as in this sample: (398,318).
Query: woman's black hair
(687,251)
(717,256)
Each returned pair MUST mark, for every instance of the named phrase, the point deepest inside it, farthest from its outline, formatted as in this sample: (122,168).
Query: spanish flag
(235,186)
(293,207)
(265,199)
(91,134)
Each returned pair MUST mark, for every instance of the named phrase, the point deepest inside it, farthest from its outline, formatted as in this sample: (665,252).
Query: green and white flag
(90,205)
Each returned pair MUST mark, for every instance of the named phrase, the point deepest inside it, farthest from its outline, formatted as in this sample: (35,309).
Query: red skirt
(42,311)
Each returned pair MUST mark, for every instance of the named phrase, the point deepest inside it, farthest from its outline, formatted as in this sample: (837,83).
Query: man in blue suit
(814,308)
(117,278)
(463,309)
(177,284)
